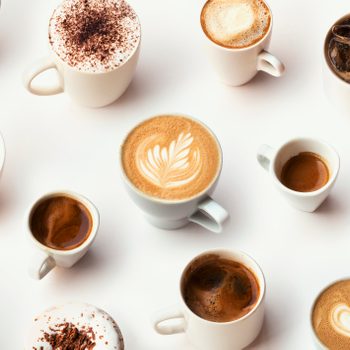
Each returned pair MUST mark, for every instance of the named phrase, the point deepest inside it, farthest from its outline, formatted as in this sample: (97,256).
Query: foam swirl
(172,166)
(340,319)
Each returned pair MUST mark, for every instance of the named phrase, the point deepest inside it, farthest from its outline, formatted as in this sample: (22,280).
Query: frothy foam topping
(98,326)
(94,35)
(340,319)
(170,157)
(235,23)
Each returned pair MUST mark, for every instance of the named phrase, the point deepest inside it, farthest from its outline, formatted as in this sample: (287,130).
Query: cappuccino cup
(237,35)
(303,170)
(222,297)
(61,226)
(170,165)
(93,67)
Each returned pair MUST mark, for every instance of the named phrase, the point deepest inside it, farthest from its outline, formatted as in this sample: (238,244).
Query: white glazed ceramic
(337,90)
(273,161)
(174,214)
(45,258)
(236,67)
(86,88)
(208,335)
(2,154)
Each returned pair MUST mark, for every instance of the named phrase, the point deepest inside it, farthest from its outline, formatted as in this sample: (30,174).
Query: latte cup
(237,66)
(46,258)
(209,335)
(90,89)
(273,160)
(174,214)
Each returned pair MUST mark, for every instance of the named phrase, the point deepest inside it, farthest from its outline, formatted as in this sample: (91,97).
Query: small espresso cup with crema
(170,165)
(237,35)
(94,47)
(61,226)
(275,160)
(207,334)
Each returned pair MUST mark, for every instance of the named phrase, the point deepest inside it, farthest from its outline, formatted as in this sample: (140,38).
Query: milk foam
(235,23)
(340,319)
(83,316)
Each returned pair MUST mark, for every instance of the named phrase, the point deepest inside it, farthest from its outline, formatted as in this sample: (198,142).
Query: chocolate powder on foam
(95,35)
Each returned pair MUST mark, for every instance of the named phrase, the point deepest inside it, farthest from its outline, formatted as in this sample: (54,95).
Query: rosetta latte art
(169,167)
(340,319)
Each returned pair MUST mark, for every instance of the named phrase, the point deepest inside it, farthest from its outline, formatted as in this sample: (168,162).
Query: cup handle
(40,265)
(163,325)
(265,155)
(35,70)
(210,215)
(270,64)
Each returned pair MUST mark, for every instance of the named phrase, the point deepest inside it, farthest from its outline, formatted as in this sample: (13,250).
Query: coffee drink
(305,172)
(337,48)
(61,222)
(331,316)
(220,290)
(94,35)
(74,326)
(171,157)
(235,23)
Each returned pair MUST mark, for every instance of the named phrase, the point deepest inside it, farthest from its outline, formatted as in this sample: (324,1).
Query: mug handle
(270,64)
(35,70)
(265,155)
(210,215)
(162,325)
(40,265)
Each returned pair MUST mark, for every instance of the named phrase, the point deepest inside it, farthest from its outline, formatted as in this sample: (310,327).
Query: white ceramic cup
(173,214)
(337,90)
(46,258)
(273,161)
(209,335)
(237,66)
(90,89)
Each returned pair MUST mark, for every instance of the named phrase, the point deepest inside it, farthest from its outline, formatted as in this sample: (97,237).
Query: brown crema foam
(61,223)
(235,24)
(219,290)
(171,157)
(326,320)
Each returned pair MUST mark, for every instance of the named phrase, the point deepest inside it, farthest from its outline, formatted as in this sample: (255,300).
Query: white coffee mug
(90,89)
(209,335)
(273,161)
(46,258)
(237,66)
(173,214)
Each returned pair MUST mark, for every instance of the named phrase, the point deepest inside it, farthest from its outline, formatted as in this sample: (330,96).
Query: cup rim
(238,49)
(329,183)
(316,338)
(262,284)
(65,64)
(162,200)
(81,199)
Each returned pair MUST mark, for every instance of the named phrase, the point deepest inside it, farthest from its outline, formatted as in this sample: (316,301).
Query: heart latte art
(171,157)
(340,319)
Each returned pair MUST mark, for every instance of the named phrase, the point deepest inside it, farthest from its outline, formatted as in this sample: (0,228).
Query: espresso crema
(171,157)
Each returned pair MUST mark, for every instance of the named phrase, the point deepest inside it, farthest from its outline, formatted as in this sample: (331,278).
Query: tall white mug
(237,66)
(273,160)
(209,335)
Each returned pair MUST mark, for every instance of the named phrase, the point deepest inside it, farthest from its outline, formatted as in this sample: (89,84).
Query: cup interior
(79,198)
(236,256)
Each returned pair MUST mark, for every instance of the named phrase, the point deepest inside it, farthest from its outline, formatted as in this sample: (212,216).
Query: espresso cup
(172,213)
(47,257)
(210,335)
(90,88)
(273,160)
(236,66)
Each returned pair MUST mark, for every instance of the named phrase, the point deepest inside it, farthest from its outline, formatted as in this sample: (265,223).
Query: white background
(133,269)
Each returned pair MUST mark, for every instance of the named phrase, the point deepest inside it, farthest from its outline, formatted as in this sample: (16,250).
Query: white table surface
(133,268)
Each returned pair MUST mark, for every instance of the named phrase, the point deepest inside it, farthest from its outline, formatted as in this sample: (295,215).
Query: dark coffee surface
(220,290)
(305,172)
(61,223)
